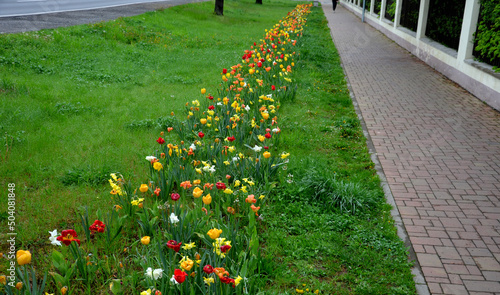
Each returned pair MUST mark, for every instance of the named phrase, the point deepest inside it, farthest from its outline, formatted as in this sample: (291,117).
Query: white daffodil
(247,108)
(192,146)
(257,148)
(173,218)
(172,280)
(154,274)
(53,238)
(151,158)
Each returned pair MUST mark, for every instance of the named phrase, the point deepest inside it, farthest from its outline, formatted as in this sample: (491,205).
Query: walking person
(334,3)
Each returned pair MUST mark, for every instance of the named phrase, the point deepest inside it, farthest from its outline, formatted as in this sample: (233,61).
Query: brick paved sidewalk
(439,147)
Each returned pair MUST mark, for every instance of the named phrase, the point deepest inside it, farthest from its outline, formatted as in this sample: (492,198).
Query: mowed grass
(78,103)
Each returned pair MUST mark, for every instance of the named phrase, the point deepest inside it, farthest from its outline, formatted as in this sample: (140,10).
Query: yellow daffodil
(189,246)
(237,281)
(284,155)
(137,202)
(228,191)
(208,281)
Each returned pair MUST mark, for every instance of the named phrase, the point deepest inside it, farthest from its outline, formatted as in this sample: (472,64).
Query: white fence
(459,65)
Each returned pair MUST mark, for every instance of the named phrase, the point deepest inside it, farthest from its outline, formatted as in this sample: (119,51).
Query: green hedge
(488,33)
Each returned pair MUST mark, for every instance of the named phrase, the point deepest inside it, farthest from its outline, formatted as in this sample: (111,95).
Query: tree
(258,1)
(219,7)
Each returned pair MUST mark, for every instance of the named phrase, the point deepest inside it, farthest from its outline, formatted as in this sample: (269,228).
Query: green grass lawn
(78,103)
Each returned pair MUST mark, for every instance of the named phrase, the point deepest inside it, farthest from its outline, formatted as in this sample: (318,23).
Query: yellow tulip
(265,115)
(145,240)
(203,121)
(23,257)
(207,199)
(157,166)
(197,192)
(203,91)
(266,155)
(19,285)
(3,280)
(187,264)
(214,233)
(143,188)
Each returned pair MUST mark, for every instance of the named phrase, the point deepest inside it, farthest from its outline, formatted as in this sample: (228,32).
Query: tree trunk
(258,2)
(219,7)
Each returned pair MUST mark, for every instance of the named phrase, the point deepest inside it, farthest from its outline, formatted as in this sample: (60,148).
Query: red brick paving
(439,147)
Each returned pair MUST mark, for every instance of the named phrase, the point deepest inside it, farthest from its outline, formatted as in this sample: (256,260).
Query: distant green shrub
(488,33)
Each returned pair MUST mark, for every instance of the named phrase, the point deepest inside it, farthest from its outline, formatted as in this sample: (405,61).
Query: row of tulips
(192,227)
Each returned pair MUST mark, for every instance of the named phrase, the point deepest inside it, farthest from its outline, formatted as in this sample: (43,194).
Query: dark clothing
(334,3)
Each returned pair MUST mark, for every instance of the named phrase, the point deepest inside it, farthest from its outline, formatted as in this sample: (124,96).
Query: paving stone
(487,263)
(454,289)
(429,260)
(433,140)
(482,286)
(479,252)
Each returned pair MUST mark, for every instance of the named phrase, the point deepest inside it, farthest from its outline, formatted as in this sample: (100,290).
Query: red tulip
(273,87)
(175,196)
(201,134)
(231,138)
(220,185)
(97,226)
(160,140)
(174,245)
(211,108)
(208,269)
(179,276)
(225,248)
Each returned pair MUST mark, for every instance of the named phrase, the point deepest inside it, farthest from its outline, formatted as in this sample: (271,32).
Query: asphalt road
(26,7)
(51,19)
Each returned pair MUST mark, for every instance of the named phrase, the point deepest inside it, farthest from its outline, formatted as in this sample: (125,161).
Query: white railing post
(469,25)
(382,10)
(397,13)
(422,18)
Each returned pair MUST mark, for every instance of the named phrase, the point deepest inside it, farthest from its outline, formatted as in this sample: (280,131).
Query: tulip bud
(145,240)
